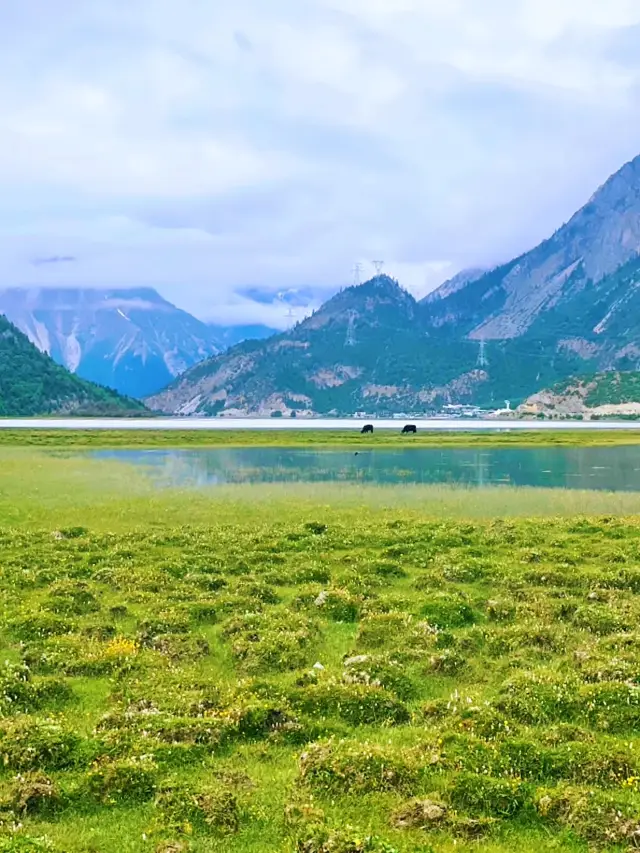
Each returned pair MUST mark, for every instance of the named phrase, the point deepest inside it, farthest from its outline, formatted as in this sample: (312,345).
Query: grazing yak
(366,428)
(409,428)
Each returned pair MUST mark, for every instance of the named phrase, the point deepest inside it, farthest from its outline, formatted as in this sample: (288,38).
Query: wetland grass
(320,670)
(313,438)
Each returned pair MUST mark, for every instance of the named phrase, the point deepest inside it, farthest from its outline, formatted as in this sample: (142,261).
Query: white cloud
(204,147)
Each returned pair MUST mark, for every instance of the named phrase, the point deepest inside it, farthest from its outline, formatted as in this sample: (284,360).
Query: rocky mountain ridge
(569,306)
(131,340)
(600,238)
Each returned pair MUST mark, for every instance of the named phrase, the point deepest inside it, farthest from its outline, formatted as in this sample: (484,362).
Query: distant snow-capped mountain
(229,336)
(132,340)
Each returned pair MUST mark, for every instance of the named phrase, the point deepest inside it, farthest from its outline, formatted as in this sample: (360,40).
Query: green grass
(170,700)
(330,439)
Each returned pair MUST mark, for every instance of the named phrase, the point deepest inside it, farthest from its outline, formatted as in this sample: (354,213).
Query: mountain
(294,297)
(363,350)
(229,336)
(131,340)
(568,307)
(601,394)
(31,383)
(600,238)
(453,285)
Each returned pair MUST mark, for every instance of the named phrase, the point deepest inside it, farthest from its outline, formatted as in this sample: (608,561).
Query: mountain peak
(130,339)
(599,238)
(382,283)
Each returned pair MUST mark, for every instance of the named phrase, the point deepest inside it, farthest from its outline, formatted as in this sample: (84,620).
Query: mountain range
(130,340)
(570,305)
(31,383)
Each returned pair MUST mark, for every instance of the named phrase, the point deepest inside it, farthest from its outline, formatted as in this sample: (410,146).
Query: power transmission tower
(350,339)
(357,269)
(290,315)
(482,355)
(378,266)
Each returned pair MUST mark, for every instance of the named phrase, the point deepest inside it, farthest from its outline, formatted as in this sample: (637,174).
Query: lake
(608,468)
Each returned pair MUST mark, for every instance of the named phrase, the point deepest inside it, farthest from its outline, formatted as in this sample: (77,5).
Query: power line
(350,339)
(482,355)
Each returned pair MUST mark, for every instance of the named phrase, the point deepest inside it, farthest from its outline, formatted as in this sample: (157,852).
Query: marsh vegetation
(321,671)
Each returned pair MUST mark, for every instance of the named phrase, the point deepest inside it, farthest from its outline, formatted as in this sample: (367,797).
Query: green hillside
(31,383)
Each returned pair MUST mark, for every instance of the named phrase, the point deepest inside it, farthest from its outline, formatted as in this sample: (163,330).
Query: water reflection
(608,468)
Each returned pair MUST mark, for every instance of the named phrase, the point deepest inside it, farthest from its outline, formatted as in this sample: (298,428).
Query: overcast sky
(205,147)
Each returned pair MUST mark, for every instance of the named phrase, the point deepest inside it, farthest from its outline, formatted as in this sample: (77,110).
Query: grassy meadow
(313,438)
(326,669)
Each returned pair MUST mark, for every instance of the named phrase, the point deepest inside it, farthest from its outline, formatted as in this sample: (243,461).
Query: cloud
(208,148)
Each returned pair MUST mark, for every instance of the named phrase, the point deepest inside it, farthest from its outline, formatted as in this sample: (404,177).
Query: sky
(212,149)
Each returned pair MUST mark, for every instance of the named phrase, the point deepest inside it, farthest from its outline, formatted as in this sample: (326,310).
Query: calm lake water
(608,468)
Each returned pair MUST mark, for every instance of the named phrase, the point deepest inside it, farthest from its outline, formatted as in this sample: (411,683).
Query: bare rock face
(599,239)
(568,307)
(609,394)
(132,340)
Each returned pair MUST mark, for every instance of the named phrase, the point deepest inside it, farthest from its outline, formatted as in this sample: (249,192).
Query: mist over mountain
(571,304)
(132,340)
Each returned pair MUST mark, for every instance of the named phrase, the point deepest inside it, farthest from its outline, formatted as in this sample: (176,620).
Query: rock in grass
(419,814)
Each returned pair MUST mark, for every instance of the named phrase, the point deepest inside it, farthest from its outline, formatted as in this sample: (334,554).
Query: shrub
(38,626)
(500,610)
(600,620)
(598,817)
(19,693)
(33,793)
(445,610)
(448,662)
(483,795)
(339,605)
(420,814)
(542,638)
(316,527)
(612,706)
(31,744)
(257,590)
(388,569)
(353,767)
(252,719)
(77,655)
(346,840)
(383,629)
(481,720)
(72,598)
(380,669)
(132,780)
(184,808)
(275,641)
(601,764)
(180,647)
(166,622)
(358,704)
(535,698)
(204,613)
